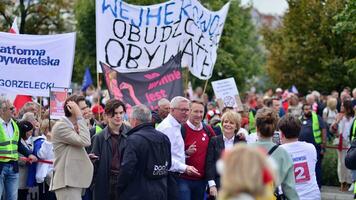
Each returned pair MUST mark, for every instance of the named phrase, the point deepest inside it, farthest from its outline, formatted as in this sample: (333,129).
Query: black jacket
(215,148)
(102,147)
(350,159)
(133,184)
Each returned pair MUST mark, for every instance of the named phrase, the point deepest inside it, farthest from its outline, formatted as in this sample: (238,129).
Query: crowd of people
(190,148)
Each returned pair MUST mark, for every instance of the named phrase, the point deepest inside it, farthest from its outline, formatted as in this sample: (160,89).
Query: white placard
(31,64)
(134,38)
(226,90)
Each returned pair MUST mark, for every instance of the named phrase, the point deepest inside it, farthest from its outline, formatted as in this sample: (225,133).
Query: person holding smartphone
(73,170)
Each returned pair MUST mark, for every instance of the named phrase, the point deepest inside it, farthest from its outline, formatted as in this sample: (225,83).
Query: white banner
(138,38)
(226,90)
(31,64)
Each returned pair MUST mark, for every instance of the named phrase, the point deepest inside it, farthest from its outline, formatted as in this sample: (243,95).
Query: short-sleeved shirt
(306,132)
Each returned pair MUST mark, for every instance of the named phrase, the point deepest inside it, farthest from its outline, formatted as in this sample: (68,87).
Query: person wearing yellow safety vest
(9,149)
(313,130)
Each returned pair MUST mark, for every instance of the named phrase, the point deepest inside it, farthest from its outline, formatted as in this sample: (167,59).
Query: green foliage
(306,51)
(239,53)
(329,168)
(85,52)
(37,17)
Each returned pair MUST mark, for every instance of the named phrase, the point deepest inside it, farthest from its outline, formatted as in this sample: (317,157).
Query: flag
(293,89)
(14,28)
(87,80)
(21,100)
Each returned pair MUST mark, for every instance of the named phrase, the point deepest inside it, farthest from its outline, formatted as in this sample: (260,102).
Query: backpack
(184,131)
(278,192)
(158,161)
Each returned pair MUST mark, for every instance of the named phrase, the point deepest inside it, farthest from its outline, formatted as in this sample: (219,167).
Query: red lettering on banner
(155,96)
(301,172)
(175,75)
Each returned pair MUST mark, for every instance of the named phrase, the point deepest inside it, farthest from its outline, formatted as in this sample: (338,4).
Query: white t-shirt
(304,159)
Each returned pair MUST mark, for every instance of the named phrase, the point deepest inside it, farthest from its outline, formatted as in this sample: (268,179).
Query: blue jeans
(9,181)
(191,190)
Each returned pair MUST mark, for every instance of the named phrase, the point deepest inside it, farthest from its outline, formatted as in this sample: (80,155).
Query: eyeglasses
(182,110)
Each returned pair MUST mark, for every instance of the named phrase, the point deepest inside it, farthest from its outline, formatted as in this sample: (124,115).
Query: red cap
(97,109)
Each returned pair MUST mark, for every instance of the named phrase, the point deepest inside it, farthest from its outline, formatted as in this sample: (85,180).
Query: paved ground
(333,193)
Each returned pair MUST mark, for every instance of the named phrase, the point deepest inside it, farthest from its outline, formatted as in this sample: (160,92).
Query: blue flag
(87,80)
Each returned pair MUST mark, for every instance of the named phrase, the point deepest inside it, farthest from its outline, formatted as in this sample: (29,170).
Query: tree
(37,17)
(306,51)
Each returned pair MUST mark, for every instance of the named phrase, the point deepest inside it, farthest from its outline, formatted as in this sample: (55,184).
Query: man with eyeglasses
(9,149)
(107,151)
(171,126)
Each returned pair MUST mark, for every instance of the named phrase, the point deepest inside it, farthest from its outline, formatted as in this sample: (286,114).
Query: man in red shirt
(196,137)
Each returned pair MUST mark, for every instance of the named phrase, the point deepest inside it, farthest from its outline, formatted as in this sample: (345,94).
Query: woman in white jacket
(44,170)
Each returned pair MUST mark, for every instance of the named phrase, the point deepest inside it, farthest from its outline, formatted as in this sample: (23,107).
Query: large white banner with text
(32,64)
(133,38)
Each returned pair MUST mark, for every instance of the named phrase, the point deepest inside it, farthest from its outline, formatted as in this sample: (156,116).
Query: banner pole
(187,79)
(40,114)
(99,90)
(205,86)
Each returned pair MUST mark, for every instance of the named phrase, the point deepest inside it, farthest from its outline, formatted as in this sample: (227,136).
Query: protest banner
(134,38)
(31,64)
(145,87)
(57,98)
(226,91)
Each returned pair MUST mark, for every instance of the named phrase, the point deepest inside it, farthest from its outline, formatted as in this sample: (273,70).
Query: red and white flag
(14,28)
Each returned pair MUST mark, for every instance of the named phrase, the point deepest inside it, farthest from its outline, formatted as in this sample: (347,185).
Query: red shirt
(201,139)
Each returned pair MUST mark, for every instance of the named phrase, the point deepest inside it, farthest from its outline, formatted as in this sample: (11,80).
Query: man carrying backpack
(146,160)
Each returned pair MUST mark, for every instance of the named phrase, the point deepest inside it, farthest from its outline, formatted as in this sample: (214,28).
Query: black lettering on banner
(131,57)
(175,34)
(164,37)
(150,57)
(202,69)
(154,36)
(190,53)
(133,33)
(121,28)
(186,27)
(108,55)
(200,47)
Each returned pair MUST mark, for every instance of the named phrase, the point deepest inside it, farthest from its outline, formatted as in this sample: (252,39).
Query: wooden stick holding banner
(205,86)
(98,87)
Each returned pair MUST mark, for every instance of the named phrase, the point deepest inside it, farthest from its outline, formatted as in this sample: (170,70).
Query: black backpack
(158,161)
(278,193)
(184,131)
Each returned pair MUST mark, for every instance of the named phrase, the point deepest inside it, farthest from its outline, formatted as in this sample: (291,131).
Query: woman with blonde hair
(231,122)
(245,175)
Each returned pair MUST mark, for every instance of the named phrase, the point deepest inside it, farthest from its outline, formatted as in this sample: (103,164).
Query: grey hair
(163,101)
(3,101)
(29,116)
(176,100)
(310,96)
(141,113)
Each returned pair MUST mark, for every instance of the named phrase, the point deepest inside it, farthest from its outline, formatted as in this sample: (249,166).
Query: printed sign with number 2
(301,172)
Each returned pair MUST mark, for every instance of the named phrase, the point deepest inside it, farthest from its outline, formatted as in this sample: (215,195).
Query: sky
(268,6)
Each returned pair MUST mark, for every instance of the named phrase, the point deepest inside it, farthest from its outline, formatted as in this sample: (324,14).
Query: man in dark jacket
(107,150)
(143,172)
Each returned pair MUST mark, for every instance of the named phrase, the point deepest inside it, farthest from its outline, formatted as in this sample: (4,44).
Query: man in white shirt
(171,126)
(304,158)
